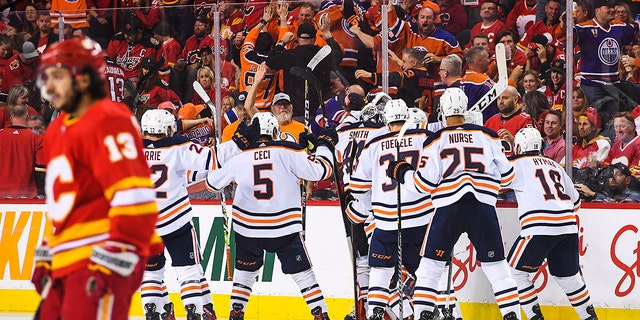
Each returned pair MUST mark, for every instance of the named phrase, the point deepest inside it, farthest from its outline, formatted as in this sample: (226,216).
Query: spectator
(509,120)
(522,16)
(554,143)
(281,59)
(516,59)
(282,108)
(17,67)
(623,13)
(202,133)
(536,105)
(546,26)
(206,80)
(36,124)
(450,73)
(626,146)
(580,106)
(18,95)
(453,16)
(590,149)
(480,40)
(618,187)
(233,108)
(151,91)
(23,176)
(180,17)
(556,86)
(101,17)
(475,82)
(43,36)
(306,14)
(29,24)
(530,82)
(490,24)
(228,70)
(190,57)
(171,48)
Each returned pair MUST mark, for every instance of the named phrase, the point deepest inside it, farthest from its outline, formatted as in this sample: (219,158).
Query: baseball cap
(435,8)
(132,26)
(542,38)
(281,96)
(622,167)
(206,49)
(203,19)
(593,117)
(604,3)
(558,66)
(241,98)
(306,31)
(148,63)
(189,111)
(29,50)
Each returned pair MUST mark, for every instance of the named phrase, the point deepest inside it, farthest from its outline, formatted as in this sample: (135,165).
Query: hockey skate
(536,310)
(426,315)
(150,312)
(378,314)
(168,312)
(510,316)
(357,310)
(592,313)
(191,312)
(208,312)
(237,312)
(318,314)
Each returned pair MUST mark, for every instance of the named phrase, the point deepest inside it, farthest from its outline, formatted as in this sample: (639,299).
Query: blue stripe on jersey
(266,214)
(175,218)
(554,212)
(553,225)
(444,195)
(391,206)
(272,227)
(174,204)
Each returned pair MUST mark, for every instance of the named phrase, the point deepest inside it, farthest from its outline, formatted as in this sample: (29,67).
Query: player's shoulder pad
(380,137)
(150,42)
(471,126)
(167,142)
(359,125)
(419,131)
(275,143)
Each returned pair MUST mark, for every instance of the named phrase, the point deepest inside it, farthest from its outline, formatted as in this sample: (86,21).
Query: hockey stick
(314,82)
(223,199)
(400,284)
(447,313)
(476,110)
(354,255)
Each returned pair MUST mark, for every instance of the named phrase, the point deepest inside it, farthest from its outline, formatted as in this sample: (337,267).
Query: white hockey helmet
(378,99)
(396,110)
(269,125)
(453,102)
(417,116)
(371,113)
(527,139)
(158,121)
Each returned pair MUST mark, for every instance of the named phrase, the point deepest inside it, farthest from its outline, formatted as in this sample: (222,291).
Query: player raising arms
(100,198)
(371,187)
(175,161)
(266,216)
(549,226)
(465,167)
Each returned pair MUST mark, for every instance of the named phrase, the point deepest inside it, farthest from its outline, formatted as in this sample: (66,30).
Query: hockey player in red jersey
(100,198)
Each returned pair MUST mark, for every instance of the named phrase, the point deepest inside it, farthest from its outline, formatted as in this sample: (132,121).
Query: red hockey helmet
(74,54)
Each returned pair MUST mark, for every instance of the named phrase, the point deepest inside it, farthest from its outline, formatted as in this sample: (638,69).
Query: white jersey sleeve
(460,160)
(547,199)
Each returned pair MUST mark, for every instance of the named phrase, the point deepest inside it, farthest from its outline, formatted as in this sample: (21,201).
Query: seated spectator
(206,79)
(626,146)
(509,120)
(591,149)
(18,95)
(618,185)
(535,103)
(554,141)
(23,176)
(556,86)
(151,90)
(579,106)
(530,82)
(475,82)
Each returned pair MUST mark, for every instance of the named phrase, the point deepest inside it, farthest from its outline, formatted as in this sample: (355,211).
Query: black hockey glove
(245,135)
(328,137)
(308,140)
(397,169)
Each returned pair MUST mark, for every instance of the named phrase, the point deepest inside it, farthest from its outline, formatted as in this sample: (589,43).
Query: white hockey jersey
(547,199)
(358,133)
(462,159)
(267,201)
(174,163)
(369,182)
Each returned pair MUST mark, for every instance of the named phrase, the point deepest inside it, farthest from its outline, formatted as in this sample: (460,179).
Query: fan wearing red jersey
(100,198)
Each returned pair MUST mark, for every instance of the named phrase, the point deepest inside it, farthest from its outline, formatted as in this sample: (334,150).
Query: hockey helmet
(453,102)
(417,116)
(157,121)
(396,110)
(378,99)
(74,54)
(527,139)
(269,125)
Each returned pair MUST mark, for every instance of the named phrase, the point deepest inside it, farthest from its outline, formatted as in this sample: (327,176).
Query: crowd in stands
(156,50)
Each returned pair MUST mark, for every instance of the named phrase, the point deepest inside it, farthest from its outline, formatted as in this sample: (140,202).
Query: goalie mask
(527,139)
(453,102)
(396,110)
(269,125)
(371,113)
(156,121)
(378,99)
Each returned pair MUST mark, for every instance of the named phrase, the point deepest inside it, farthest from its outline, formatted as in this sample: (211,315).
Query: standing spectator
(545,27)
(306,14)
(151,90)
(522,16)
(591,149)
(626,146)
(73,13)
(475,82)
(44,36)
(490,24)
(509,120)
(95,161)
(23,176)
(179,15)
(618,187)
(601,42)
(281,59)
(36,124)
(453,16)
(554,142)
(206,80)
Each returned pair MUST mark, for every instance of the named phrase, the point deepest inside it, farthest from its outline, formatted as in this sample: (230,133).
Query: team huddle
(410,191)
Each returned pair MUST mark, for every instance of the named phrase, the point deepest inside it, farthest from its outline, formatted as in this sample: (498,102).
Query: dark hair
(473,55)
(417,55)
(96,82)
(162,28)
(264,42)
(536,103)
(505,33)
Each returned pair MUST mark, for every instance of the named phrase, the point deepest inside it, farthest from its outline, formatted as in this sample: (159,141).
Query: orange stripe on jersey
(525,296)
(467,179)
(562,218)
(580,297)
(134,210)
(173,212)
(508,179)
(80,230)
(424,296)
(128,183)
(516,255)
(404,210)
(377,296)
(189,288)
(421,185)
(354,217)
(261,221)
(354,185)
(506,298)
